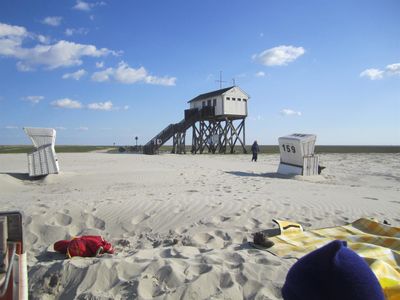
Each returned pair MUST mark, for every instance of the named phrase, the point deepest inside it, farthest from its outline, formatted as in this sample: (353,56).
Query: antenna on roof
(220,80)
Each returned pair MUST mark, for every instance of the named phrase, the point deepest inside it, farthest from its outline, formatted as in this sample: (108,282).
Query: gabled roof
(211,94)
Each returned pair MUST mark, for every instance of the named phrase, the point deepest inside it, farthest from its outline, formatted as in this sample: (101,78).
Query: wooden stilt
(217,136)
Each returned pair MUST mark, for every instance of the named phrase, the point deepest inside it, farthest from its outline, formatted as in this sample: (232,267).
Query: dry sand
(181,223)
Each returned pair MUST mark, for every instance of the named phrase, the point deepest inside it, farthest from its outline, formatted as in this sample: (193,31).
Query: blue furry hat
(332,272)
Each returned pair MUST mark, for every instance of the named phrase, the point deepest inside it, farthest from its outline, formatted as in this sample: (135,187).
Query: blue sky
(106,71)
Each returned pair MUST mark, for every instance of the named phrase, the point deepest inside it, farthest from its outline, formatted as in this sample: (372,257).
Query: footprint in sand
(198,269)
(178,210)
(28,220)
(226,281)
(223,235)
(256,222)
(180,230)
(372,198)
(63,219)
(203,238)
(94,222)
(255,206)
(31,238)
(139,218)
(220,219)
(43,206)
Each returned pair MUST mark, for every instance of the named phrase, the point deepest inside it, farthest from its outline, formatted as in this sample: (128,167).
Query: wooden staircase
(191,117)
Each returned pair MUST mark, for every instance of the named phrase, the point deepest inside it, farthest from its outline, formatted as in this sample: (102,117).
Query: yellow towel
(377,243)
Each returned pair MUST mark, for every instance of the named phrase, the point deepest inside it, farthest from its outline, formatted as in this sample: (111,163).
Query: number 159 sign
(289,148)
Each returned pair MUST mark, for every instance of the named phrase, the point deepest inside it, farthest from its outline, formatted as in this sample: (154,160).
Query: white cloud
(33,99)
(75,75)
(393,69)
(82,128)
(376,74)
(86,6)
(279,56)
(10,38)
(260,74)
(128,75)
(82,5)
(290,112)
(23,67)
(69,31)
(373,74)
(73,31)
(100,64)
(60,54)
(11,127)
(43,39)
(67,103)
(74,104)
(61,128)
(167,81)
(102,76)
(126,107)
(52,21)
(101,105)
(11,30)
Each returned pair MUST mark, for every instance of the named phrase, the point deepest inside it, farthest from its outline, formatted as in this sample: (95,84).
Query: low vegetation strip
(267,149)
(59,149)
(274,149)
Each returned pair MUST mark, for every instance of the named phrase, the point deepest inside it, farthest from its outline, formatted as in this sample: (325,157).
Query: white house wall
(218,108)
(235,107)
(225,106)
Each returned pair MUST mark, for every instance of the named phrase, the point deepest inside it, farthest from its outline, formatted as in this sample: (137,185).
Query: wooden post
(244,135)
(3,244)
(203,132)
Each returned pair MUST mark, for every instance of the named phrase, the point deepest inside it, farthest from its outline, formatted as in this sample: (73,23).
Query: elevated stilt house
(217,119)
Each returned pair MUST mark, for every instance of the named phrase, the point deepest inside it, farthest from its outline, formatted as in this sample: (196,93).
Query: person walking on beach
(255,149)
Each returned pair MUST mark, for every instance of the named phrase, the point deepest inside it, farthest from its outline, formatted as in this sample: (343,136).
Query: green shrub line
(59,149)
(266,149)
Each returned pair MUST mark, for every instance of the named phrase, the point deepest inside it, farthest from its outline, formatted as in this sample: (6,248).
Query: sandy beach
(181,224)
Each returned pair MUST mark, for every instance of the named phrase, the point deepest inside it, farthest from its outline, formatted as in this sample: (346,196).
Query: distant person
(255,149)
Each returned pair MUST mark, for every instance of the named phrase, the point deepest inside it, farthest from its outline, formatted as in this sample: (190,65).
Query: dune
(181,224)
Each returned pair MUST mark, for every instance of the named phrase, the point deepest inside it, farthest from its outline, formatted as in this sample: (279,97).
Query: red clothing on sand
(85,246)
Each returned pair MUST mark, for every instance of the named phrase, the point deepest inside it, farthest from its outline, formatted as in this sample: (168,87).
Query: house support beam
(218,136)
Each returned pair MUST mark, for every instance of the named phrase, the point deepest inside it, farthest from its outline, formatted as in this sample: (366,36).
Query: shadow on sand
(266,175)
(49,256)
(24,176)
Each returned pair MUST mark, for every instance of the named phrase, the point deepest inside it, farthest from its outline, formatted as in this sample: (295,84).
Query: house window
(239,99)
(203,104)
(244,100)
(227,98)
(233,99)
(214,102)
(209,102)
